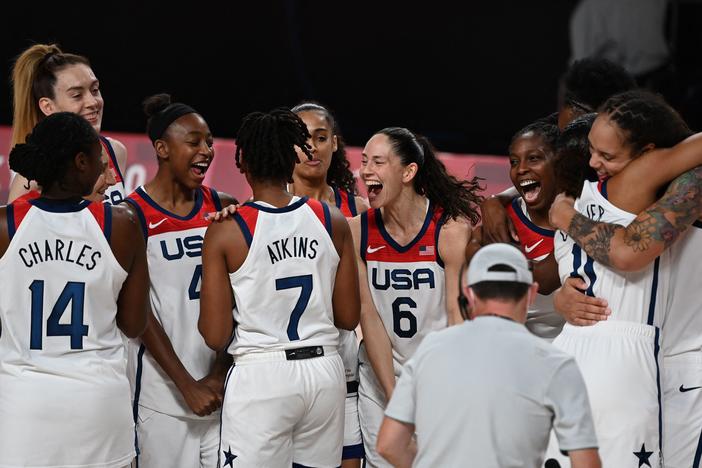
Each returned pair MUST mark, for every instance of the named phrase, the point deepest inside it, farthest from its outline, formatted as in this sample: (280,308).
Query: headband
(160,121)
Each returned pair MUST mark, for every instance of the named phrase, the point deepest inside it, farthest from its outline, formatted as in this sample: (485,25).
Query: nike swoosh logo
(683,389)
(373,250)
(155,225)
(529,248)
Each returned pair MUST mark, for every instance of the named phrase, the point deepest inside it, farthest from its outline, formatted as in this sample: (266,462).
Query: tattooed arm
(654,230)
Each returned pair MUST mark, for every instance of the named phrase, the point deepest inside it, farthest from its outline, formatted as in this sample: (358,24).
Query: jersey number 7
(305,283)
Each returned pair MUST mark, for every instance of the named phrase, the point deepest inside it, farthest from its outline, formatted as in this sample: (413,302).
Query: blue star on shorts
(229,457)
(643,456)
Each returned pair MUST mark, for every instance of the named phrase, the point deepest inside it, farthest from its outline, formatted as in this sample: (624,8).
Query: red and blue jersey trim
(536,242)
(157,220)
(247,215)
(112,160)
(378,245)
(346,202)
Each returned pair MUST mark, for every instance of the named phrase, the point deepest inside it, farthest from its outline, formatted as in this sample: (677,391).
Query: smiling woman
(46,80)
(178,380)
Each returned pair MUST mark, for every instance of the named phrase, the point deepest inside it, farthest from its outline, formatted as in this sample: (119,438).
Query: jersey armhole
(113,157)
(10,221)
(364,235)
(215,199)
(102,212)
(321,210)
(352,203)
(246,219)
(437,232)
(140,215)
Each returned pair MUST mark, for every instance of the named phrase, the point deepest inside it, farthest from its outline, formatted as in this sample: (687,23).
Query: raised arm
(497,227)
(129,248)
(453,240)
(345,299)
(654,230)
(635,188)
(375,338)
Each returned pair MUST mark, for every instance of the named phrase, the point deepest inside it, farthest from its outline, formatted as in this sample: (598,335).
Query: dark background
(467,74)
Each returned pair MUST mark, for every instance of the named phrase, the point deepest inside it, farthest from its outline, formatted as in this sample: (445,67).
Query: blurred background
(466,74)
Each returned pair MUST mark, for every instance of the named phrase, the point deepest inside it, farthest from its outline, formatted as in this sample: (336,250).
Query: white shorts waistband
(268,356)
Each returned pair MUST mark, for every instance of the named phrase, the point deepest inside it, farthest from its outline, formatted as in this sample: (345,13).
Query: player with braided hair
(287,264)
(619,356)
(413,237)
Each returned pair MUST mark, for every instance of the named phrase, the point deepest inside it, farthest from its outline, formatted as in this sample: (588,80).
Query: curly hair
(266,142)
(51,147)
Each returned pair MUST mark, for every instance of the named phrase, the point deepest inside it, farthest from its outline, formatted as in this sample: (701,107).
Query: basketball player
(178,381)
(618,357)
(661,226)
(46,80)
(414,235)
(326,177)
(531,155)
(73,272)
(289,262)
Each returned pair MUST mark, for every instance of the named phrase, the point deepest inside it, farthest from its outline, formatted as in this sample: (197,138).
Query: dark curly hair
(544,127)
(572,162)
(458,198)
(339,174)
(51,147)
(590,81)
(266,144)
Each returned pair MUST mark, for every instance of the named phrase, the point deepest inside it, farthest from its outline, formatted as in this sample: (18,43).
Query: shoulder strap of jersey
(17,210)
(139,212)
(113,157)
(345,199)
(602,188)
(214,196)
(364,233)
(102,212)
(246,217)
(321,210)
(439,219)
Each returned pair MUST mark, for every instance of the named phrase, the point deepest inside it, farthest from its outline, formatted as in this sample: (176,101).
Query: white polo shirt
(487,393)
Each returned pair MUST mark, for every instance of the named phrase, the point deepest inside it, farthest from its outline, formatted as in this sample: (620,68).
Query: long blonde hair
(34,77)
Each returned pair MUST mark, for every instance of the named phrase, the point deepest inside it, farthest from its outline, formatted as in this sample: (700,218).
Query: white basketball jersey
(406,282)
(537,244)
(283,290)
(116,193)
(682,327)
(632,296)
(174,252)
(64,394)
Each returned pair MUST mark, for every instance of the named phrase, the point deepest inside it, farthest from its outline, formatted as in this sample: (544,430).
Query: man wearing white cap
(487,393)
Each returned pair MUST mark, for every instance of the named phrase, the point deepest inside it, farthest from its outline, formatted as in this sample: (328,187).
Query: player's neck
(273,193)
(317,189)
(539,217)
(170,194)
(409,209)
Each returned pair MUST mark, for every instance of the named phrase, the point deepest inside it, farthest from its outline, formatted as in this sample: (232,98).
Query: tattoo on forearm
(594,237)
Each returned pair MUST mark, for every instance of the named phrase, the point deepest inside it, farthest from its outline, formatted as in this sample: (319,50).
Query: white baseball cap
(482,265)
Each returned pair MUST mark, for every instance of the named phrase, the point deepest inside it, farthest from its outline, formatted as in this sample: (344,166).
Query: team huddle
(177,327)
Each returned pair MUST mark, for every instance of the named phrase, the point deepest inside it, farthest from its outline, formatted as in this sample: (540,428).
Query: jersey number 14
(73,292)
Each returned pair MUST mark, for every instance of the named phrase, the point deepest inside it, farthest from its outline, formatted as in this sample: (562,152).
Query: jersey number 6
(305,283)
(399,314)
